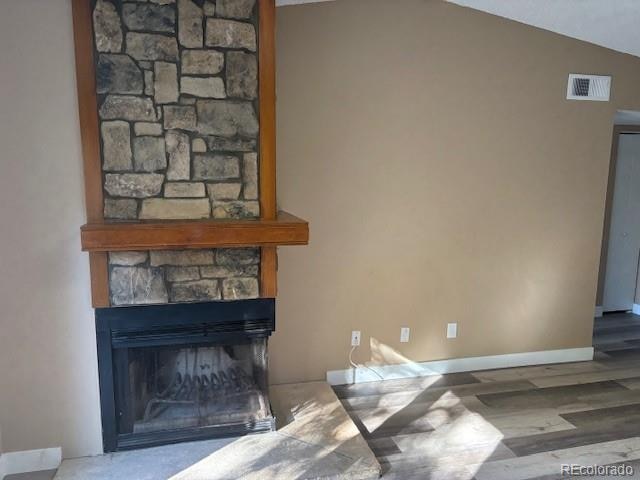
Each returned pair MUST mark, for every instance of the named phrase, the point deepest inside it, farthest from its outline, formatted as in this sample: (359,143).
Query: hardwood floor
(512,424)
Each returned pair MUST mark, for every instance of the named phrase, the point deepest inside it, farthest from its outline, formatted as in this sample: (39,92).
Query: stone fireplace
(177,88)
(177,112)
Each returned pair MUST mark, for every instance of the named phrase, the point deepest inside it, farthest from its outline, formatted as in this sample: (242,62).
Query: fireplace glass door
(172,373)
(172,388)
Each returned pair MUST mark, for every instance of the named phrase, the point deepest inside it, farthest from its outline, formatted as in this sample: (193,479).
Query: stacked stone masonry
(138,278)
(177,86)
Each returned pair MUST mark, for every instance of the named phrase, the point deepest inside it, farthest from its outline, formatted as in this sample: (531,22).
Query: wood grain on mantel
(285,229)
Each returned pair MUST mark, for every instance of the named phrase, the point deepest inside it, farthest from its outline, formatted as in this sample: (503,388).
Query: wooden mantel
(285,229)
(99,237)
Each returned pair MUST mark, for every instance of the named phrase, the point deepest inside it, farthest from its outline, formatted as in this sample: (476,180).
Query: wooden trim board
(267,95)
(90,135)
(88,109)
(286,229)
(269,272)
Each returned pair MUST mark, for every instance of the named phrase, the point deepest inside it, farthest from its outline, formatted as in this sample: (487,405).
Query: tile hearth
(315,439)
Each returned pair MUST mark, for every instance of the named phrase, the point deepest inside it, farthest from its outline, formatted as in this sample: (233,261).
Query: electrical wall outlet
(355,338)
(404,334)
(452,330)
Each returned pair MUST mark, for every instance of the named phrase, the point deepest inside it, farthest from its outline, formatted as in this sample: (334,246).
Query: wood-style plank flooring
(512,424)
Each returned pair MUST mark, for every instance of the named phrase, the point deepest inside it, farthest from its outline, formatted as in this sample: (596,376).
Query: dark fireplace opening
(180,372)
(196,386)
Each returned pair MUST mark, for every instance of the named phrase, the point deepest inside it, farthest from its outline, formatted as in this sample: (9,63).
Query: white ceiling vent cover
(596,88)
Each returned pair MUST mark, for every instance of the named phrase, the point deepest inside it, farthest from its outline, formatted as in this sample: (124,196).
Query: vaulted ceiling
(613,24)
(608,23)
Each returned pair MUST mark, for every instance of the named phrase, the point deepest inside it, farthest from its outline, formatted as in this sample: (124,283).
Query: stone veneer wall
(183,276)
(177,85)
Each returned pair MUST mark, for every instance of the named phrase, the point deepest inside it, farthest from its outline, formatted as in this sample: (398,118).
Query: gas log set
(196,387)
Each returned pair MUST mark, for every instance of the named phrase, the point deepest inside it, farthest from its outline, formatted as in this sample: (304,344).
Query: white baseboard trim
(30,461)
(454,365)
(636,309)
(599,311)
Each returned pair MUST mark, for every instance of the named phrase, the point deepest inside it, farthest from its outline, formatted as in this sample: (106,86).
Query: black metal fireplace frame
(212,323)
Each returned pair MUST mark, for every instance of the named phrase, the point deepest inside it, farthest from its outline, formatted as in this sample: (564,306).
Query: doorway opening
(618,295)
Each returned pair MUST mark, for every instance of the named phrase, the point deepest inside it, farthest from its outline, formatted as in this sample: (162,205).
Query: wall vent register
(588,87)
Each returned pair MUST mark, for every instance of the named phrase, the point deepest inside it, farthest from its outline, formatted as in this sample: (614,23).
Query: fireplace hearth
(171,373)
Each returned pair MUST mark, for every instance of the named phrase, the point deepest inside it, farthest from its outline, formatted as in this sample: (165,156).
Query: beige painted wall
(445,178)
(48,370)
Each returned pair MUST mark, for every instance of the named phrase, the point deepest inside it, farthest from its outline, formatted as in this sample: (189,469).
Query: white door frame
(606,228)
(617,131)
